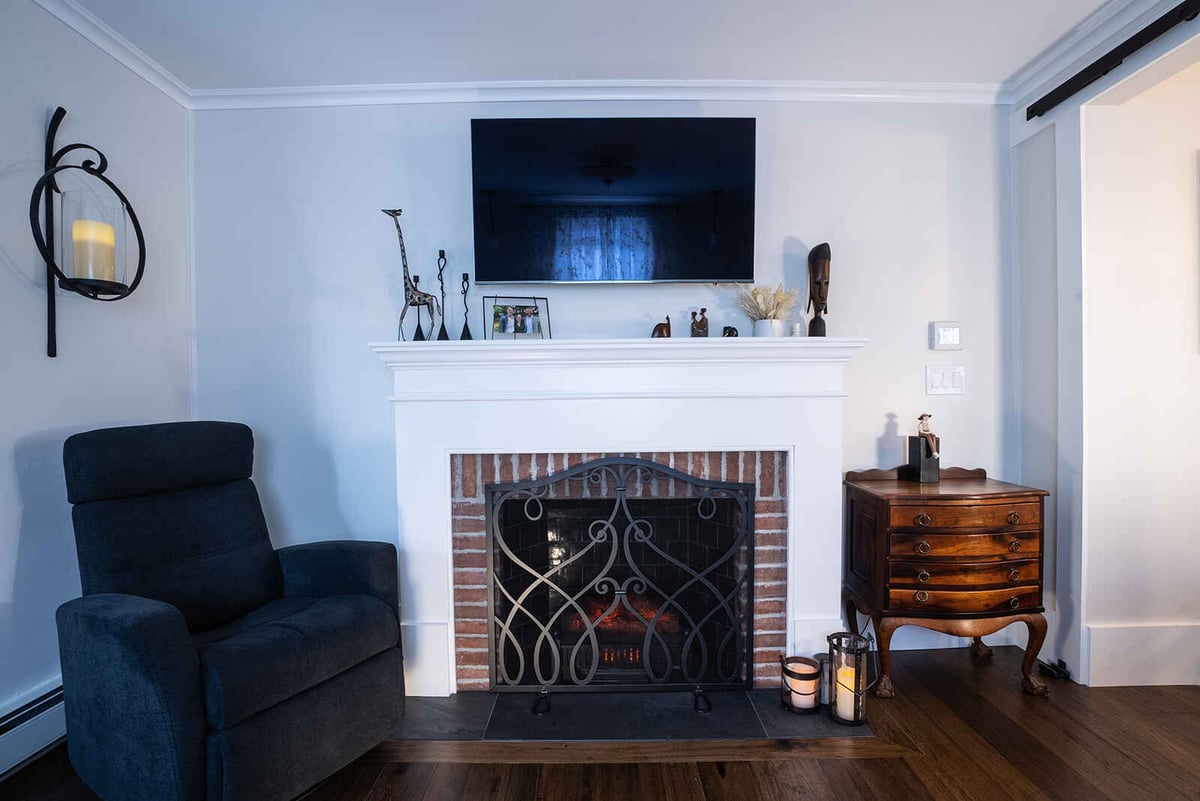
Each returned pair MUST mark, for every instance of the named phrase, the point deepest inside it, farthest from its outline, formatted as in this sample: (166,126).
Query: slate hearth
(736,715)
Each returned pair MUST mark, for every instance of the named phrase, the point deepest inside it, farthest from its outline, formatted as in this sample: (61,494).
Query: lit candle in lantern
(804,692)
(94,244)
(845,702)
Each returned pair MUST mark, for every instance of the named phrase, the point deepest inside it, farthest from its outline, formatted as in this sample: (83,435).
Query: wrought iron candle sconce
(92,233)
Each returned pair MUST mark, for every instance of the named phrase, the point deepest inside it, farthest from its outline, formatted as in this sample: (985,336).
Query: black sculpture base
(921,465)
(816,327)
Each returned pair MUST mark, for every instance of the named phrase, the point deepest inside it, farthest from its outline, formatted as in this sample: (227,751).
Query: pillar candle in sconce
(800,688)
(845,701)
(94,244)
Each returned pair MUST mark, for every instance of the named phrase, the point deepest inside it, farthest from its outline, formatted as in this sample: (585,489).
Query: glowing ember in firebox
(623,621)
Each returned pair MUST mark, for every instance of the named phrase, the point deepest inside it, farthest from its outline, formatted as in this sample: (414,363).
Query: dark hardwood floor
(957,729)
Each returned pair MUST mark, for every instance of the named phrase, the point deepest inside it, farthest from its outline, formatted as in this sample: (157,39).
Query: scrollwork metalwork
(689,589)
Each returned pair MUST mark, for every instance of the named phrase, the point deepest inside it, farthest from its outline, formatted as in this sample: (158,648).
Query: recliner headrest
(130,461)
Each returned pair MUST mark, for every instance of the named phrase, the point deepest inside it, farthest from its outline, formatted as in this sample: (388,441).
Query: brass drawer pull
(923,547)
(923,519)
(1014,603)
(1014,574)
(1014,517)
(924,576)
(921,596)
(1014,546)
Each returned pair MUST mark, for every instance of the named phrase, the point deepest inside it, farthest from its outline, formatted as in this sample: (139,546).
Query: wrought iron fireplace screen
(620,574)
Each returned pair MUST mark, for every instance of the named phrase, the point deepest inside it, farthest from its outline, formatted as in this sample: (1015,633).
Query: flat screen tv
(642,199)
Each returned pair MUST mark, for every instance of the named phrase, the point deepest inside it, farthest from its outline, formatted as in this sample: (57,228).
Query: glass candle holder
(92,240)
(849,672)
(800,688)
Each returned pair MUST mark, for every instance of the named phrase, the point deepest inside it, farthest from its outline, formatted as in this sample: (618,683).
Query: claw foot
(884,689)
(1034,686)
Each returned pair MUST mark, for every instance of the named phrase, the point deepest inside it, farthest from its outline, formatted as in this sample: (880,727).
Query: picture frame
(516,317)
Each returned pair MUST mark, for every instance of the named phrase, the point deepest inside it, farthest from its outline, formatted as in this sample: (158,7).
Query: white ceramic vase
(768,328)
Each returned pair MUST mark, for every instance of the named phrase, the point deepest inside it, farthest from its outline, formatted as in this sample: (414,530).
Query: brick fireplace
(767,410)
(470,473)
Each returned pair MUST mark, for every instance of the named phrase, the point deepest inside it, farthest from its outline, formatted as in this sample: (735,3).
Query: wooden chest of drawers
(963,556)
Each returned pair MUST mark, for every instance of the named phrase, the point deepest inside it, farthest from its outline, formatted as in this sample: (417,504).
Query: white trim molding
(1109,25)
(613,396)
(99,33)
(596,90)
(1143,654)
(96,31)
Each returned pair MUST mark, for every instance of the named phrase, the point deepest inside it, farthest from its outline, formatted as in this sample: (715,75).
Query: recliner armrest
(342,567)
(131,685)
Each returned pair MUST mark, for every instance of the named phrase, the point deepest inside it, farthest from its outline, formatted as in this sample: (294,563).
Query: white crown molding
(1104,28)
(96,31)
(595,90)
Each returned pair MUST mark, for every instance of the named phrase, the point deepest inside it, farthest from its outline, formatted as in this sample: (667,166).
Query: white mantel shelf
(613,396)
(588,368)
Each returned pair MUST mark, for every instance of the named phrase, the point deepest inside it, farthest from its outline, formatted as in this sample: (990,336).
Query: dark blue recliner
(202,664)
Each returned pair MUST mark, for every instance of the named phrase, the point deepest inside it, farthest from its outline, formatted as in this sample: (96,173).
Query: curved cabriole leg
(1037,635)
(884,627)
(852,617)
(979,650)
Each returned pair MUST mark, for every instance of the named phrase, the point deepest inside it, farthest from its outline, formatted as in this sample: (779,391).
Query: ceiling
(235,44)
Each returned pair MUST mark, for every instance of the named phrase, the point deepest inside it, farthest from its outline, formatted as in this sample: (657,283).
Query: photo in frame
(516,317)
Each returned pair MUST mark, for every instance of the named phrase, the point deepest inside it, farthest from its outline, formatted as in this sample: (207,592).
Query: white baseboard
(32,736)
(1144,654)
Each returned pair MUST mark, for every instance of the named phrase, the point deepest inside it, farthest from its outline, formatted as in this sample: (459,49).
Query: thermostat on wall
(945,335)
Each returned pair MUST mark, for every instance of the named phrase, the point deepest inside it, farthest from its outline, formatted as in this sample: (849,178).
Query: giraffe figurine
(412,295)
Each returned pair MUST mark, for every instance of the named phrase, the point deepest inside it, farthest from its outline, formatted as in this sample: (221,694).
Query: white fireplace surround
(613,396)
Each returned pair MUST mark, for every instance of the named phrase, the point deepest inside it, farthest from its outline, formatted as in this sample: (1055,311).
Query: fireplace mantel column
(612,396)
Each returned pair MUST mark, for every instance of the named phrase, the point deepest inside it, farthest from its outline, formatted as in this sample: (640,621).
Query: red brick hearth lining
(767,470)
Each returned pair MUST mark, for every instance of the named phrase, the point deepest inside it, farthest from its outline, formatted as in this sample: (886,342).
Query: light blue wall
(124,362)
(297,271)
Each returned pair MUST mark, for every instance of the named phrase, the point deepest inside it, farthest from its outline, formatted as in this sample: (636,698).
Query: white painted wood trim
(31,737)
(96,31)
(99,33)
(1143,654)
(705,351)
(1107,27)
(658,90)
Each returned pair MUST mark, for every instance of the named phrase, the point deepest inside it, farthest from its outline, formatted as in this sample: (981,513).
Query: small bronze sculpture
(926,433)
(442,333)
(924,460)
(662,330)
(466,285)
(729,331)
(700,327)
(818,288)
(412,295)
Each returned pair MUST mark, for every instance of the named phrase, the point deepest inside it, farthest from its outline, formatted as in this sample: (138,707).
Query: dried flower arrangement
(764,303)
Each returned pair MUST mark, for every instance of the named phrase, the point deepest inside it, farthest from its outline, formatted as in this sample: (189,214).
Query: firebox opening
(620,588)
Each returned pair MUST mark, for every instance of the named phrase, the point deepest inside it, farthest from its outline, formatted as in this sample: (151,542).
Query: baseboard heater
(1184,12)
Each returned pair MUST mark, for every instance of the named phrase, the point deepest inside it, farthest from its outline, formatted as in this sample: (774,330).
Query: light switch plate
(945,335)
(945,379)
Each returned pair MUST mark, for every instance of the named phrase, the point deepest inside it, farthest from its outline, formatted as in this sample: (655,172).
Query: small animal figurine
(662,330)
(700,326)
(729,331)
(412,295)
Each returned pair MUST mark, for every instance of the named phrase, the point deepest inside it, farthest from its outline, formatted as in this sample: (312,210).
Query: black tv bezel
(627,281)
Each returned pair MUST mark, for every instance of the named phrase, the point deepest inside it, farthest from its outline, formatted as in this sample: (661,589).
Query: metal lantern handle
(875,658)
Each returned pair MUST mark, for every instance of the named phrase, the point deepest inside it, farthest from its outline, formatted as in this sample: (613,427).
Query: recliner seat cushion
(287,647)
